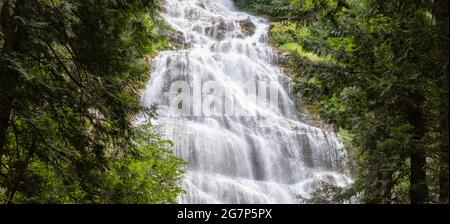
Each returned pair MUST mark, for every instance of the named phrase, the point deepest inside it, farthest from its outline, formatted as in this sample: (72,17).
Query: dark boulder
(248,27)
(219,29)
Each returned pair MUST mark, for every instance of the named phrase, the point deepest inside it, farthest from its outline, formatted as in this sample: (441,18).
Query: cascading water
(264,155)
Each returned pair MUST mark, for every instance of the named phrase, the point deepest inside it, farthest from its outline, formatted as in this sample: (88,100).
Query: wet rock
(284,57)
(264,38)
(219,29)
(175,36)
(248,27)
(306,150)
(197,29)
(192,14)
(201,5)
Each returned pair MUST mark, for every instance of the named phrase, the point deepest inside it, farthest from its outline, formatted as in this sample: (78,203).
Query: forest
(69,81)
(72,73)
(378,72)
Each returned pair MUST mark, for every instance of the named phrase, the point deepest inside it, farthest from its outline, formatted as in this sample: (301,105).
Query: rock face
(175,36)
(219,29)
(283,57)
(247,27)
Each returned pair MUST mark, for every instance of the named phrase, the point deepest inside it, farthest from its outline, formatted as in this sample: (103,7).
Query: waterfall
(227,106)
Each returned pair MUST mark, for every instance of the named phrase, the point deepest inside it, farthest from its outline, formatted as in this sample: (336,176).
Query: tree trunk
(442,18)
(418,180)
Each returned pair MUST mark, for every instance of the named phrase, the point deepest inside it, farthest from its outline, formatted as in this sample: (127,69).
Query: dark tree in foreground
(70,76)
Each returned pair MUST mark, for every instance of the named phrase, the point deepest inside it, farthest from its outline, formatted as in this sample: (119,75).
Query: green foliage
(376,69)
(273,8)
(327,193)
(79,67)
(150,175)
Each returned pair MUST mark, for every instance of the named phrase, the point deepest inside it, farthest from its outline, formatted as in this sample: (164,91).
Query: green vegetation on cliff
(268,7)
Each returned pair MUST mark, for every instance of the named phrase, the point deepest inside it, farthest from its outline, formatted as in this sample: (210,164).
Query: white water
(269,157)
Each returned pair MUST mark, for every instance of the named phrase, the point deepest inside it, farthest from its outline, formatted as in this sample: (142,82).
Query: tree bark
(418,180)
